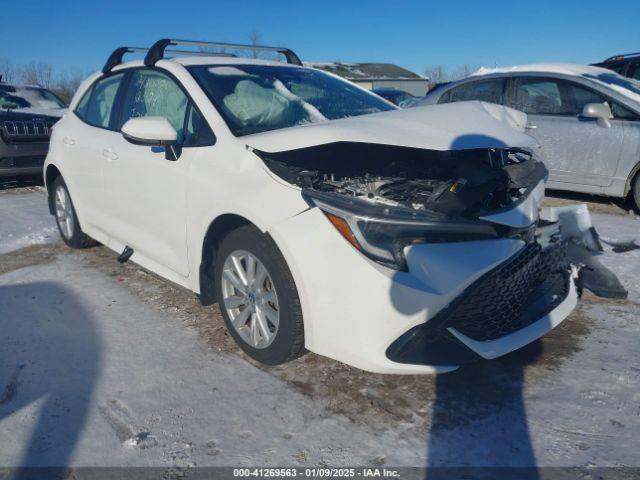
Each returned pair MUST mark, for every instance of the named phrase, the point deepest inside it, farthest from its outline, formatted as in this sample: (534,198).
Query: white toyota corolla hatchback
(316,214)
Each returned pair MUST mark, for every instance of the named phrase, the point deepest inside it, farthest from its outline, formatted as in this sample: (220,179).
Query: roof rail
(116,56)
(157,50)
(621,56)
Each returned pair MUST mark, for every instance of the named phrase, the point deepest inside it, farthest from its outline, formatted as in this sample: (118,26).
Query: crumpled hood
(453,126)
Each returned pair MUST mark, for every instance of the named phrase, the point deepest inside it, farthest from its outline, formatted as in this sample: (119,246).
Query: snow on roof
(21,85)
(561,68)
(366,71)
(607,78)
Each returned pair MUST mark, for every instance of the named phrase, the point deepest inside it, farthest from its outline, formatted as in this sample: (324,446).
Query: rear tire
(66,217)
(258,298)
(636,191)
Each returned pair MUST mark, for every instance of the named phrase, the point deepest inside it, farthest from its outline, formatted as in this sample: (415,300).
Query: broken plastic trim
(584,247)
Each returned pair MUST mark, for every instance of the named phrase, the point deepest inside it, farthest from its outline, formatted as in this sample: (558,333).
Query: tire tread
(263,246)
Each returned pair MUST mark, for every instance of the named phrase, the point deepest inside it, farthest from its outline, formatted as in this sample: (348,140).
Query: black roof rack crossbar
(116,56)
(157,50)
(621,56)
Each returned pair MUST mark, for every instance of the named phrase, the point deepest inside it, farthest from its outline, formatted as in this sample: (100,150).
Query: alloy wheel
(64,212)
(250,299)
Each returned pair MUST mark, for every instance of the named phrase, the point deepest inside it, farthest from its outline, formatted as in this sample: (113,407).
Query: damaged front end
(418,211)
(383,198)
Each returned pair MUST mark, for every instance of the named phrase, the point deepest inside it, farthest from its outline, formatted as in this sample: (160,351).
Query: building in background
(377,75)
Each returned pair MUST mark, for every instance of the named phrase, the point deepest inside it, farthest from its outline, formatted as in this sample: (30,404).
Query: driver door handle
(109,154)
(530,127)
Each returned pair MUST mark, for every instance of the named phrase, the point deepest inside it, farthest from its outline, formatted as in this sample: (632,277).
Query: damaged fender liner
(447,184)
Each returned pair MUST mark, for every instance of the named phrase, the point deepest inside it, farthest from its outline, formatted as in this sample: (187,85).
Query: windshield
(28,97)
(257,98)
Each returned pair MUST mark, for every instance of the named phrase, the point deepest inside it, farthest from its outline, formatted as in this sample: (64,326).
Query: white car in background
(586,118)
(316,214)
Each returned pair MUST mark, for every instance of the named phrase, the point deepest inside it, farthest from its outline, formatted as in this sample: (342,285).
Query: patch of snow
(562,68)
(92,376)
(111,381)
(25,220)
(50,111)
(227,70)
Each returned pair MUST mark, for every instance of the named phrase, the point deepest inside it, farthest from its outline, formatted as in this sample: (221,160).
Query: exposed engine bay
(462,183)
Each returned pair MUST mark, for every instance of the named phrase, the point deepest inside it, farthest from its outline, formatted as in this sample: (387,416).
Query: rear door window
(99,107)
(486,91)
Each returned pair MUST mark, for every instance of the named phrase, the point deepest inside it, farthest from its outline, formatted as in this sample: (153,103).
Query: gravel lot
(109,365)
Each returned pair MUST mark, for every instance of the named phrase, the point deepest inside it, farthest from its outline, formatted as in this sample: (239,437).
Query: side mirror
(153,132)
(149,131)
(600,111)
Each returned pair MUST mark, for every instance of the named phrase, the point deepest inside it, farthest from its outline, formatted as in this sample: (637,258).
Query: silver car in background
(586,119)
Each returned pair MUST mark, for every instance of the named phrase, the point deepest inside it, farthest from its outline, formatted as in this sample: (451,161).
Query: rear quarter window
(81,108)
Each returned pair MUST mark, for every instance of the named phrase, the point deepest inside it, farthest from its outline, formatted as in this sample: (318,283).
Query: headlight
(383,238)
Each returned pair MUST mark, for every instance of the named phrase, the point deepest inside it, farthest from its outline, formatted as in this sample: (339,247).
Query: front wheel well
(218,229)
(50,176)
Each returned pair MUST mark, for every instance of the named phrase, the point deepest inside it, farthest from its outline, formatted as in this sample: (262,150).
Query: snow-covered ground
(24,220)
(102,365)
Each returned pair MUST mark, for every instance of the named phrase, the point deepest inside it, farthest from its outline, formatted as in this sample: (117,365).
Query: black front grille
(22,162)
(512,296)
(26,130)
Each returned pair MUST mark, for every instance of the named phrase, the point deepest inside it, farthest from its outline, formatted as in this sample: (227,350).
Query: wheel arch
(635,171)
(51,173)
(217,230)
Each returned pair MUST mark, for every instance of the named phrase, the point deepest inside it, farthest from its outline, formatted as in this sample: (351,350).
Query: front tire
(66,217)
(258,298)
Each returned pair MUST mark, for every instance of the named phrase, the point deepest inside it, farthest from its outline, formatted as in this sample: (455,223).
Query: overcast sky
(414,34)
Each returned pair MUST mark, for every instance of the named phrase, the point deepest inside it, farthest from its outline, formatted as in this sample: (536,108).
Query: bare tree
(255,38)
(205,49)
(441,74)
(7,70)
(463,71)
(436,74)
(38,73)
(67,83)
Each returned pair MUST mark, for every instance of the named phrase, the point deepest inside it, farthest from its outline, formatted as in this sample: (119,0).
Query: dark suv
(627,65)
(27,113)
